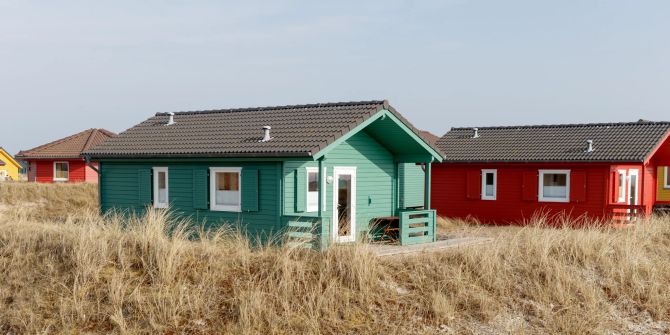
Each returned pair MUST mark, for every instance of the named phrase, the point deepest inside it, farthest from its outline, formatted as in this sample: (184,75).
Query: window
(666,183)
(225,186)
(161,199)
(622,186)
(489,182)
(61,171)
(313,190)
(554,186)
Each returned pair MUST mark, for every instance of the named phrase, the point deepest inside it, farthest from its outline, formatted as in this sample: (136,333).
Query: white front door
(344,204)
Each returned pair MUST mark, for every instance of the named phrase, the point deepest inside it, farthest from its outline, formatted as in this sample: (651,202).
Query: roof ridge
(266,108)
(91,136)
(570,125)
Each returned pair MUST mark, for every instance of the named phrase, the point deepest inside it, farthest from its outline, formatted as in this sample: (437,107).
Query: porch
(410,227)
(622,214)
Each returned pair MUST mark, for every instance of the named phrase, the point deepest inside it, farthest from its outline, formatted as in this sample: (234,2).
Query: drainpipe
(426,195)
(89,164)
(323,228)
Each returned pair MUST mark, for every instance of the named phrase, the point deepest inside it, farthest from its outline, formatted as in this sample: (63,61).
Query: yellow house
(663,187)
(9,167)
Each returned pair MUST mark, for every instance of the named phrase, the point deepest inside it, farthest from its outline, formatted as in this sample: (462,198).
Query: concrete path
(441,244)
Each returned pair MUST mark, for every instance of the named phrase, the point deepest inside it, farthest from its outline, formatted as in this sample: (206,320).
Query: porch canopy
(396,134)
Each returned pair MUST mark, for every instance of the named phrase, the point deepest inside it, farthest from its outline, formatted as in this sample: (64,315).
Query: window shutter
(300,190)
(200,189)
(144,187)
(578,186)
(249,190)
(529,186)
(615,182)
(473,185)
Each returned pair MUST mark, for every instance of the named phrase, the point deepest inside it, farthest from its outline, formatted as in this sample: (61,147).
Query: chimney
(266,134)
(476,134)
(171,119)
(589,146)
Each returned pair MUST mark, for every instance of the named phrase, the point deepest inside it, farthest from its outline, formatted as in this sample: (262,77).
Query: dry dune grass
(86,274)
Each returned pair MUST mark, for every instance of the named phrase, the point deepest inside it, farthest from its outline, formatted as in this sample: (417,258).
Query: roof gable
(68,147)
(612,142)
(297,131)
(8,158)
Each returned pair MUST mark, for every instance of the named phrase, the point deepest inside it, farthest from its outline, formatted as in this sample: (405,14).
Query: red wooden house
(61,161)
(509,174)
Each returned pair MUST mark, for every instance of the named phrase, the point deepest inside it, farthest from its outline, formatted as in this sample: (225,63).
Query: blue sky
(66,66)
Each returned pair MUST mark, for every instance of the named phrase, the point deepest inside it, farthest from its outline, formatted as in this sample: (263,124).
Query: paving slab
(442,244)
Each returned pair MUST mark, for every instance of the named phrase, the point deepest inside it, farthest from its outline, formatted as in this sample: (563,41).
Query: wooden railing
(626,213)
(417,226)
(306,232)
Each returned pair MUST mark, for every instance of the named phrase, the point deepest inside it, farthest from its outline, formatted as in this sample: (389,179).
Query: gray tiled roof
(299,130)
(612,142)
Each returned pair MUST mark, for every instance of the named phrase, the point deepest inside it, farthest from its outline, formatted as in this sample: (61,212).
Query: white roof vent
(589,146)
(476,133)
(266,134)
(171,119)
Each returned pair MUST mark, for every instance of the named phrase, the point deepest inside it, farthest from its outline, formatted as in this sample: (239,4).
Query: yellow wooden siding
(663,194)
(10,165)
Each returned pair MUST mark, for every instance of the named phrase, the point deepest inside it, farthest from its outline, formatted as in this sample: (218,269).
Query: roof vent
(476,133)
(171,119)
(266,134)
(589,146)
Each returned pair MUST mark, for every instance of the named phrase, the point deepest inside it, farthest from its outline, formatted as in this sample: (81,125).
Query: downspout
(319,215)
(89,164)
(100,194)
(426,195)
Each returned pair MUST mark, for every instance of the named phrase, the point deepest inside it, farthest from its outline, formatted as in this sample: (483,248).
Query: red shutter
(473,185)
(615,182)
(529,186)
(578,186)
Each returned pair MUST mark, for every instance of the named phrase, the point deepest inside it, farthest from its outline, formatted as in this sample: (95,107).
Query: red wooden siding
(42,171)
(517,192)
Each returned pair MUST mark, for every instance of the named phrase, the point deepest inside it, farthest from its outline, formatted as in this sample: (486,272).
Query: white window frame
(622,186)
(212,189)
(666,182)
(495,184)
(540,188)
(68,171)
(315,208)
(157,203)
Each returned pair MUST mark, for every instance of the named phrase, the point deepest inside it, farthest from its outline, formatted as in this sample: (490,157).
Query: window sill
(226,209)
(554,200)
(489,199)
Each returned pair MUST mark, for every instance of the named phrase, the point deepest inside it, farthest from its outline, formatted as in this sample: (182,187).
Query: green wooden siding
(374,180)
(411,185)
(128,187)
(250,190)
(273,192)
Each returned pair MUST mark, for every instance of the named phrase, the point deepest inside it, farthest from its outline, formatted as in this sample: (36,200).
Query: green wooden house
(324,172)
